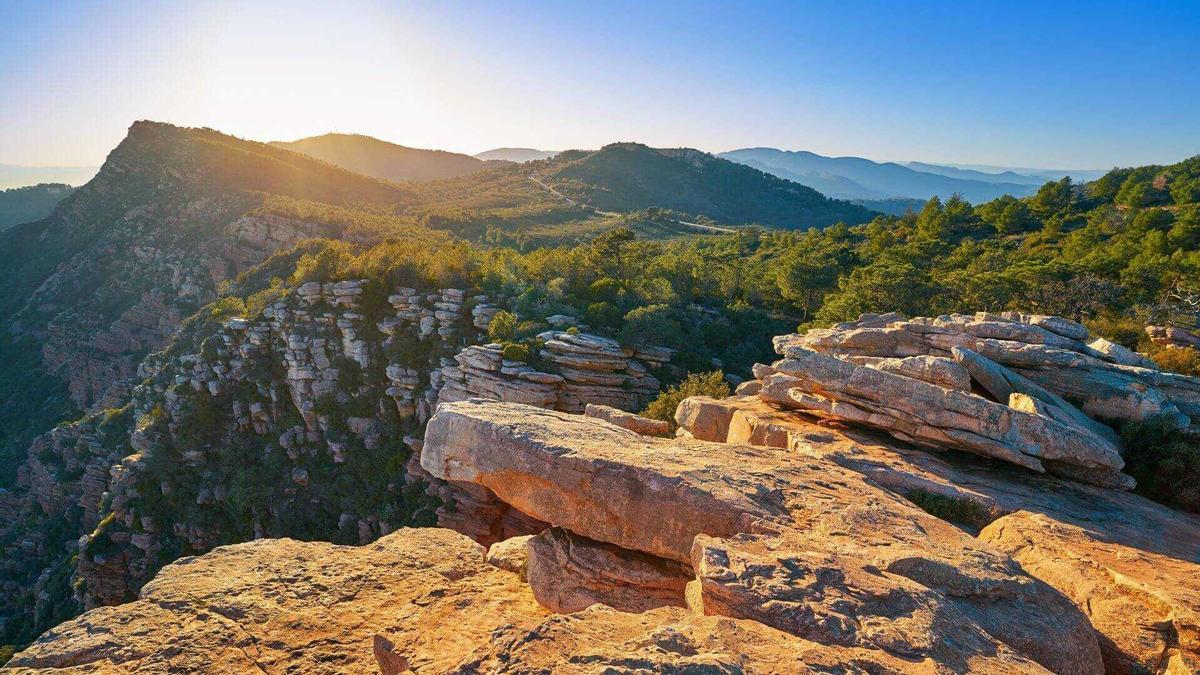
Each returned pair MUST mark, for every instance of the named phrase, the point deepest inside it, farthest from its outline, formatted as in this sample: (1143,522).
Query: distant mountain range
(381,159)
(14,175)
(625,176)
(856,178)
(518,155)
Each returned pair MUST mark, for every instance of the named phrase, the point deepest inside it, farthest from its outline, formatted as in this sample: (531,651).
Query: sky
(1031,84)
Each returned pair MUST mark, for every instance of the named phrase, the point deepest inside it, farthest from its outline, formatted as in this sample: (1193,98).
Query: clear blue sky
(1053,84)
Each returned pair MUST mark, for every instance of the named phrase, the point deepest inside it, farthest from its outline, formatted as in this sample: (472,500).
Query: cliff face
(296,422)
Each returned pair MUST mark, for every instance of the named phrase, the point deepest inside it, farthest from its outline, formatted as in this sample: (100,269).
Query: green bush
(516,351)
(695,384)
(1165,461)
(1183,360)
(503,326)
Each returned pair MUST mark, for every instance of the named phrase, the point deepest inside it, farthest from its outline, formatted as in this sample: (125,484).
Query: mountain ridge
(880,180)
(382,159)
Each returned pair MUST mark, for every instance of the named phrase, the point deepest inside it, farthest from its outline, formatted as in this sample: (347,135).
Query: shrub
(696,384)
(959,510)
(502,326)
(1165,461)
(515,351)
(1183,360)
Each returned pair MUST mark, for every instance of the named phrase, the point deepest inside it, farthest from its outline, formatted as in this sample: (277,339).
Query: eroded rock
(741,513)
(568,573)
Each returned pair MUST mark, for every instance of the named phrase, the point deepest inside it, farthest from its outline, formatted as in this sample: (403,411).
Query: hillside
(858,178)
(27,204)
(630,176)
(383,160)
(171,214)
(518,155)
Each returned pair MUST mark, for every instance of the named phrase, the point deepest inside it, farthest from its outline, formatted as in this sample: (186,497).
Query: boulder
(510,554)
(1115,554)
(567,573)
(931,416)
(768,536)
(1173,336)
(635,423)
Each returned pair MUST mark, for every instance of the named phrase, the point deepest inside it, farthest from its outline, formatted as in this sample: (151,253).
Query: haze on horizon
(1076,85)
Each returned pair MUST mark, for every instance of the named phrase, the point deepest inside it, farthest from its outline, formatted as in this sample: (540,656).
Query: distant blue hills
(856,178)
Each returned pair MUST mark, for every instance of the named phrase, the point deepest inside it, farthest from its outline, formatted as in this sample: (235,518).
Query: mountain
(1076,175)
(1007,176)
(380,159)
(625,176)
(26,204)
(112,271)
(13,175)
(518,155)
(871,180)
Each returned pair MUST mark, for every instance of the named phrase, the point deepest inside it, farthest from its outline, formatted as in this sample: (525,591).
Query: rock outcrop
(1173,336)
(803,546)
(579,369)
(1129,564)
(568,573)
(1107,381)
(414,601)
(294,422)
(928,415)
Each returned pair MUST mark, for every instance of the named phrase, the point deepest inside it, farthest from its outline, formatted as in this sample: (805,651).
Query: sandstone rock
(1113,553)
(1122,355)
(635,423)
(283,605)
(765,533)
(419,599)
(930,416)
(707,418)
(1111,382)
(1002,383)
(511,554)
(1173,336)
(937,370)
(1145,605)
(568,573)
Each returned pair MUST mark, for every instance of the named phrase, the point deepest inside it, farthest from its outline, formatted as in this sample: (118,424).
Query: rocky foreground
(936,504)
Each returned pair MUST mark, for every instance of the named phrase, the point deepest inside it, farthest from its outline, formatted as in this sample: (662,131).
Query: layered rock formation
(805,546)
(1106,381)
(423,600)
(793,545)
(1173,336)
(1129,564)
(296,422)
(583,369)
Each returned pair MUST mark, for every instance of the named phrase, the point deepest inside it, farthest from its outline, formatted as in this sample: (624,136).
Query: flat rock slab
(1145,605)
(418,600)
(771,538)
